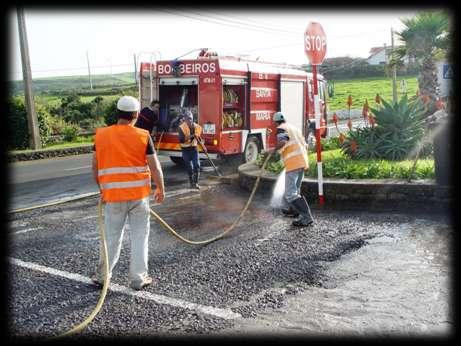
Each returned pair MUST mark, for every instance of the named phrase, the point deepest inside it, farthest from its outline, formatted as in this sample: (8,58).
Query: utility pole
(89,71)
(135,70)
(32,121)
(394,72)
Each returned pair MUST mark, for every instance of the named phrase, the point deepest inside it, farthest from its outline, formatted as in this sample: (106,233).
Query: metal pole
(317,135)
(89,71)
(394,72)
(34,133)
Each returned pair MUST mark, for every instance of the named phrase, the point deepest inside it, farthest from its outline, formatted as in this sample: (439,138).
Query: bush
(336,165)
(110,114)
(91,124)
(330,143)
(18,134)
(348,68)
(70,132)
(57,125)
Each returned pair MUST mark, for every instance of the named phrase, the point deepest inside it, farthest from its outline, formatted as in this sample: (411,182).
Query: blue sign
(447,72)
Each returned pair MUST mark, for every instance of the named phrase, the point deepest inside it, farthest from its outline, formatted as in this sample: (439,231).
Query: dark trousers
(191,160)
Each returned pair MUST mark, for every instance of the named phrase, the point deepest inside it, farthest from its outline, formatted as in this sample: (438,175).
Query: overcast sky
(60,39)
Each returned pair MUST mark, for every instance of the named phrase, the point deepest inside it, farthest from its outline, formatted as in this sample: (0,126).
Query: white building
(377,56)
(381,55)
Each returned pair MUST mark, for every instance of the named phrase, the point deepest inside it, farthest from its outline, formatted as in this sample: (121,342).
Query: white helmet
(128,104)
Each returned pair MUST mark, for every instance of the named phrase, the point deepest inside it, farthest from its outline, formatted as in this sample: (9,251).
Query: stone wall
(48,153)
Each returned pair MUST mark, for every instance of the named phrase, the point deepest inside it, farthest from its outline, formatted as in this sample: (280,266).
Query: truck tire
(252,149)
(178,160)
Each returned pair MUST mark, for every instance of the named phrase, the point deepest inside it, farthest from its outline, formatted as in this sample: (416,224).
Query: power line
(215,21)
(261,23)
(227,20)
(249,24)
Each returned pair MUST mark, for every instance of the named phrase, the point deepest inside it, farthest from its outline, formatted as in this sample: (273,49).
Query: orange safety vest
(185,129)
(123,172)
(294,152)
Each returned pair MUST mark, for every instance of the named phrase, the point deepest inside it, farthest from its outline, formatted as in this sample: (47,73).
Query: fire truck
(233,99)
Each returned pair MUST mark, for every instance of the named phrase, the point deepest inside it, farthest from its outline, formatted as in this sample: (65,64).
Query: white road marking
(27,230)
(76,168)
(87,217)
(160,299)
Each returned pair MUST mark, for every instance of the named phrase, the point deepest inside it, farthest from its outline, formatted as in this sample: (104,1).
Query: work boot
(139,285)
(196,176)
(305,217)
(290,211)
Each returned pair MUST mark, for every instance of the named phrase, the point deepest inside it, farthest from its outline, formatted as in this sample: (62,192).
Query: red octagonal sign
(315,43)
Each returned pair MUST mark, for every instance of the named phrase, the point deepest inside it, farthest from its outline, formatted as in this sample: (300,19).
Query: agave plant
(366,143)
(398,129)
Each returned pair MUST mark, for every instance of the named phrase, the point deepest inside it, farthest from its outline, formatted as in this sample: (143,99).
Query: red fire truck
(231,98)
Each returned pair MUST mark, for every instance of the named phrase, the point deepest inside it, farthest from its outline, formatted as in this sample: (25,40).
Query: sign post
(315,47)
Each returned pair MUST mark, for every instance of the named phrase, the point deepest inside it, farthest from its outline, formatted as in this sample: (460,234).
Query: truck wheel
(252,149)
(178,160)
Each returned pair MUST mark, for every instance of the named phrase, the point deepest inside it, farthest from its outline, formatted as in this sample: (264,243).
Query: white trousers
(138,217)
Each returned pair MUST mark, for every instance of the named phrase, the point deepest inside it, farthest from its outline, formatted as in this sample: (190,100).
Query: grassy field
(52,85)
(362,89)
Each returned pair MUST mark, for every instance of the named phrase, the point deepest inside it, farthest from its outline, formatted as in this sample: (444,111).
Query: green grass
(80,141)
(361,89)
(336,165)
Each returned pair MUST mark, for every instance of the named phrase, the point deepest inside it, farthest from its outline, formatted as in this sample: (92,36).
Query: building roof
(375,50)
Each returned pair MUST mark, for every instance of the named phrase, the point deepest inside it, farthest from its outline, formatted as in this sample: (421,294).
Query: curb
(369,194)
(49,153)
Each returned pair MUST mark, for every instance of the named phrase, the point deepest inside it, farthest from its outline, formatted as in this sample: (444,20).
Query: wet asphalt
(255,268)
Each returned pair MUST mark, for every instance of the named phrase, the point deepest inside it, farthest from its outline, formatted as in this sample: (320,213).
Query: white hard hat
(128,104)
(188,115)
(278,116)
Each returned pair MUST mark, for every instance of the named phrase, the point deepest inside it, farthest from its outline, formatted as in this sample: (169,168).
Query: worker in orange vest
(190,134)
(293,150)
(123,164)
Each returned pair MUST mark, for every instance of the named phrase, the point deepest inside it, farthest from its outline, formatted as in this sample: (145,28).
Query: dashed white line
(87,217)
(209,310)
(76,168)
(27,230)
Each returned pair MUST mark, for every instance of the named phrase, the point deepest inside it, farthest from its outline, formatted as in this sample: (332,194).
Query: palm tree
(426,38)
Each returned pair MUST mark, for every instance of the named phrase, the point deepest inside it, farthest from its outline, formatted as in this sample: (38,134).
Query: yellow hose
(159,141)
(82,325)
(105,287)
(87,321)
(169,228)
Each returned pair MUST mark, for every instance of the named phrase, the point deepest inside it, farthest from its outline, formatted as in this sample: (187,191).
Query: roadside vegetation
(66,118)
(336,164)
(391,145)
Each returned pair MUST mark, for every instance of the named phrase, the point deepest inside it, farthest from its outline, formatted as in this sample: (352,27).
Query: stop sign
(315,43)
